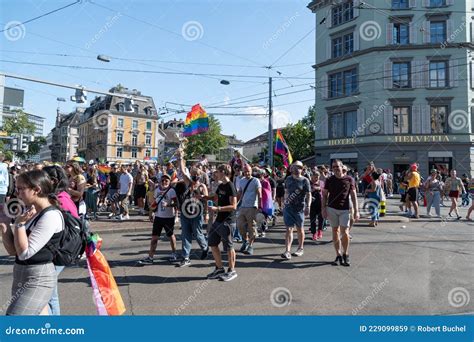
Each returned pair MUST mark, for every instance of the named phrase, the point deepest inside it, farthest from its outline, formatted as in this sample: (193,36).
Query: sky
(144,35)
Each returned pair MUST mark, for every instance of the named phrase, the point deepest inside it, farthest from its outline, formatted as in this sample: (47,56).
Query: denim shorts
(293,217)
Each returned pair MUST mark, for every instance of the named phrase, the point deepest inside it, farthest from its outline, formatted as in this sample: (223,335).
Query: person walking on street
(125,191)
(455,187)
(4,179)
(221,230)
(471,193)
(433,188)
(414,181)
(315,216)
(338,191)
(374,194)
(250,198)
(297,205)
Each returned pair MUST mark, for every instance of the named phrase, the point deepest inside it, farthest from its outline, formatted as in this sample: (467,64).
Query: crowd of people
(217,205)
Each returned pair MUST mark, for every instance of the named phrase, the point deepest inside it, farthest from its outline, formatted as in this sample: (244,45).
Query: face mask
(254,174)
(194,178)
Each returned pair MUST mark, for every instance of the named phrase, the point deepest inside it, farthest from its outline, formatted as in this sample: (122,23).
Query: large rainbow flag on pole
(282,149)
(196,121)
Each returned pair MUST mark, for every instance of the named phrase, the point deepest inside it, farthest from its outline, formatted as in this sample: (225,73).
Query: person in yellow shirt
(414,180)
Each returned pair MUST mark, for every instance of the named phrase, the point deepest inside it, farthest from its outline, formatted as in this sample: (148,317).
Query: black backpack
(73,239)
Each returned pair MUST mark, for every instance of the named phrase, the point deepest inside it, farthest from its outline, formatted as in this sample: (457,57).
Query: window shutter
(324,86)
(425,120)
(449,30)
(323,126)
(471,69)
(387,75)
(413,33)
(453,73)
(416,75)
(425,74)
(389,34)
(356,8)
(388,120)
(328,49)
(356,37)
(426,3)
(416,120)
(426,32)
(360,121)
(412,4)
(329,19)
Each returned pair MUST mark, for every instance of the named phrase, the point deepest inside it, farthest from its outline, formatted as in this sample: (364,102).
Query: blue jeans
(53,304)
(235,232)
(192,227)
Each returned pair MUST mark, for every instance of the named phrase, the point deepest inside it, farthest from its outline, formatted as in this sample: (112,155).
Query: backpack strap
(41,213)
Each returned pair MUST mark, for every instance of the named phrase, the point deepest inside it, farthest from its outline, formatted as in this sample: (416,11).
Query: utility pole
(270,124)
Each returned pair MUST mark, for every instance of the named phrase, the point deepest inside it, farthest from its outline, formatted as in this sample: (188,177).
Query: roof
(232,140)
(262,137)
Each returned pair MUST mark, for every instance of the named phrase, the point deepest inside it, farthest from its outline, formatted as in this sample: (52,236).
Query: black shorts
(413,194)
(220,231)
(403,198)
(163,222)
(140,191)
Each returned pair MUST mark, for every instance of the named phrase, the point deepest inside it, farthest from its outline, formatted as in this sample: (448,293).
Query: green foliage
(300,140)
(206,143)
(18,124)
(34,147)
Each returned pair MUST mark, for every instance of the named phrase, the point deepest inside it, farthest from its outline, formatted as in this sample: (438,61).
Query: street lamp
(225,82)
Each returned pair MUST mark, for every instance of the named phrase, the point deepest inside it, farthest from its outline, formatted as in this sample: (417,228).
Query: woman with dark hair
(31,239)
(77,183)
(60,184)
(374,194)
(92,192)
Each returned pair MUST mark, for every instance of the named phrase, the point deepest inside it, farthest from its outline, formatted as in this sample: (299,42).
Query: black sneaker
(228,276)
(216,273)
(338,261)
(184,263)
(346,262)
(204,253)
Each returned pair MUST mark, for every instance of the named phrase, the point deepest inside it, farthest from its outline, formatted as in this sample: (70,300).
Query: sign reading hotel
(390,139)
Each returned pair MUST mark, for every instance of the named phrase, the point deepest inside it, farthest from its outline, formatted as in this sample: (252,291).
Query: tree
(35,146)
(310,119)
(18,124)
(300,140)
(206,143)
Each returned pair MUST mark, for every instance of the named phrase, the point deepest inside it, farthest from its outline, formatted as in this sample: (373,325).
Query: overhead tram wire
(41,16)
(292,47)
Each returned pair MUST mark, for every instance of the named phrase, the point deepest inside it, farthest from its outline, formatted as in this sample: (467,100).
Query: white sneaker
(126,217)
(299,252)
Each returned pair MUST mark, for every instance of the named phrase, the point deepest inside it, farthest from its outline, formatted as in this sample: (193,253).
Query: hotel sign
(397,139)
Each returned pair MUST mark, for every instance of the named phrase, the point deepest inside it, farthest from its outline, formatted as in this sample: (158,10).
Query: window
(134,153)
(119,152)
(400,4)
(343,124)
(119,137)
(342,46)
(120,123)
(438,118)
(437,31)
(147,153)
(148,125)
(401,75)
(438,74)
(342,13)
(148,139)
(343,83)
(121,107)
(401,121)
(437,3)
(401,33)
(135,124)
(135,109)
(134,139)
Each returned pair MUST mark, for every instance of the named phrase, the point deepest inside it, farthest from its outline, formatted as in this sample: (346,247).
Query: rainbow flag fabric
(282,149)
(196,121)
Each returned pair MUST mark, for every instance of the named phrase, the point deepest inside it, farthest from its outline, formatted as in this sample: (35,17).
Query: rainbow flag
(196,121)
(282,149)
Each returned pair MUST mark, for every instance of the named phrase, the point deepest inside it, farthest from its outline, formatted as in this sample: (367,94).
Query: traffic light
(80,96)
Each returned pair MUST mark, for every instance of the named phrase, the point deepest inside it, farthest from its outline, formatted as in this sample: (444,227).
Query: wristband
(20,225)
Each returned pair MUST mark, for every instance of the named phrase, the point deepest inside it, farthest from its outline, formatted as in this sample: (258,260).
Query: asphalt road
(415,268)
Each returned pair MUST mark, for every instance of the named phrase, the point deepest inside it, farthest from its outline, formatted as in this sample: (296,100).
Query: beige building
(117,129)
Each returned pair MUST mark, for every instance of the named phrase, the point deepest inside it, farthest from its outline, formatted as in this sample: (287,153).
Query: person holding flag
(282,149)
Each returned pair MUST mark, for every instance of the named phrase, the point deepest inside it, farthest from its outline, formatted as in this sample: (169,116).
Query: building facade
(45,151)
(113,130)
(65,136)
(394,83)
